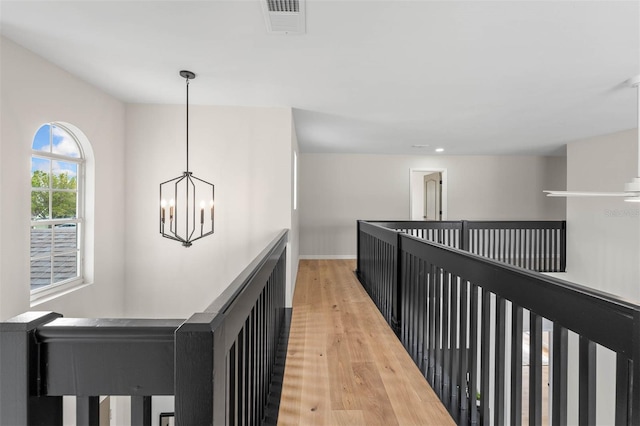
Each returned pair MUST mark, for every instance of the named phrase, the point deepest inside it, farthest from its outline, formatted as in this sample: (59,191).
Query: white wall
(35,92)
(603,239)
(246,153)
(1,198)
(294,235)
(603,234)
(338,189)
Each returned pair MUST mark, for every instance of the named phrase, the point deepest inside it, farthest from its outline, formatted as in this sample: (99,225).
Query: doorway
(433,196)
(428,188)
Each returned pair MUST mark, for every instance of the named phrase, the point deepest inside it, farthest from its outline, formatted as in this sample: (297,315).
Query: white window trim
(59,288)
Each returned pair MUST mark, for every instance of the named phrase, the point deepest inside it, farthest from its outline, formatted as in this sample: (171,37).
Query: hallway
(344,364)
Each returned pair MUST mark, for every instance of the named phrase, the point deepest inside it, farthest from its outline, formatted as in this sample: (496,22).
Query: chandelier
(180,219)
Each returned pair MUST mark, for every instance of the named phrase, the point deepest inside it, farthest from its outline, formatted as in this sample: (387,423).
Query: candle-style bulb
(163,203)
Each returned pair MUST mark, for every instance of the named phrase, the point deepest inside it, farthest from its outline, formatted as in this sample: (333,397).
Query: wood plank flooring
(344,364)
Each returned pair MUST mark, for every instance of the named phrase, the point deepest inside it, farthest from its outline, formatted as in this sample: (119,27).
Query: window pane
(42,141)
(66,237)
(65,175)
(64,144)
(39,205)
(40,168)
(41,241)
(65,266)
(64,205)
(56,164)
(40,273)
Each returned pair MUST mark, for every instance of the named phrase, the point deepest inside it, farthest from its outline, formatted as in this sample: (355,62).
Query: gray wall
(338,189)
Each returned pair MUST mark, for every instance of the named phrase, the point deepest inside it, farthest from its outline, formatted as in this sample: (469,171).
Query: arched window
(57,211)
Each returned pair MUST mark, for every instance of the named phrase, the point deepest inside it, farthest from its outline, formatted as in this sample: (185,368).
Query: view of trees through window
(56,219)
(63,204)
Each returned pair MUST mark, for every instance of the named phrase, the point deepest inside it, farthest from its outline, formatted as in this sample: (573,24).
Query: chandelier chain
(187,124)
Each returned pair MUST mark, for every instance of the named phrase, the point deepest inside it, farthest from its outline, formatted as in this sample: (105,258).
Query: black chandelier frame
(183,226)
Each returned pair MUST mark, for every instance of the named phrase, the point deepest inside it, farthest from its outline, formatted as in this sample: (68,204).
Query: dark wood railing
(535,245)
(462,317)
(220,364)
(226,356)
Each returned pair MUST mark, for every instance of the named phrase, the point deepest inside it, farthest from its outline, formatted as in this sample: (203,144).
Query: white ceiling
(474,77)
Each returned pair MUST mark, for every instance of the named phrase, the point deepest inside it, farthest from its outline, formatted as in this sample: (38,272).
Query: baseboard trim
(327,256)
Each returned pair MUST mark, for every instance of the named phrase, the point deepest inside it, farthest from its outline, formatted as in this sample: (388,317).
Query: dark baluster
(587,391)
(509,236)
(418,321)
(514,247)
(431,373)
(413,304)
(539,256)
(530,253)
(516,365)
(88,411)
(500,351)
(623,390)
(559,375)
(255,406)
(485,377)
(465,236)
(446,360)
(263,380)
(543,251)
(487,241)
(405,292)
(408,313)
(241,369)
(141,411)
(474,350)
(522,248)
(438,329)
(464,353)
(421,308)
(563,248)
(535,370)
(554,250)
(454,349)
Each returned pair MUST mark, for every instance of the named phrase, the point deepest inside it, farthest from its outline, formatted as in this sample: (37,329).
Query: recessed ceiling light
(419,146)
(439,149)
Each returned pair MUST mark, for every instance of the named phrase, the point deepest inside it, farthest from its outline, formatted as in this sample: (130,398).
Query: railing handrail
(430,291)
(591,313)
(204,342)
(535,244)
(619,311)
(44,355)
(466,225)
(418,224)
(227,297)
(426,224)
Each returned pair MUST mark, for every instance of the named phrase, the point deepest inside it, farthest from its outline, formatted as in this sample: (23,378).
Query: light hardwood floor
(344,364)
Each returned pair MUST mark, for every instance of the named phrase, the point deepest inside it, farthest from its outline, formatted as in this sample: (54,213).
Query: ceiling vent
(284,16)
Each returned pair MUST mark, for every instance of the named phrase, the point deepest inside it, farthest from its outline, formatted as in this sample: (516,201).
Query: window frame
(55,288)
